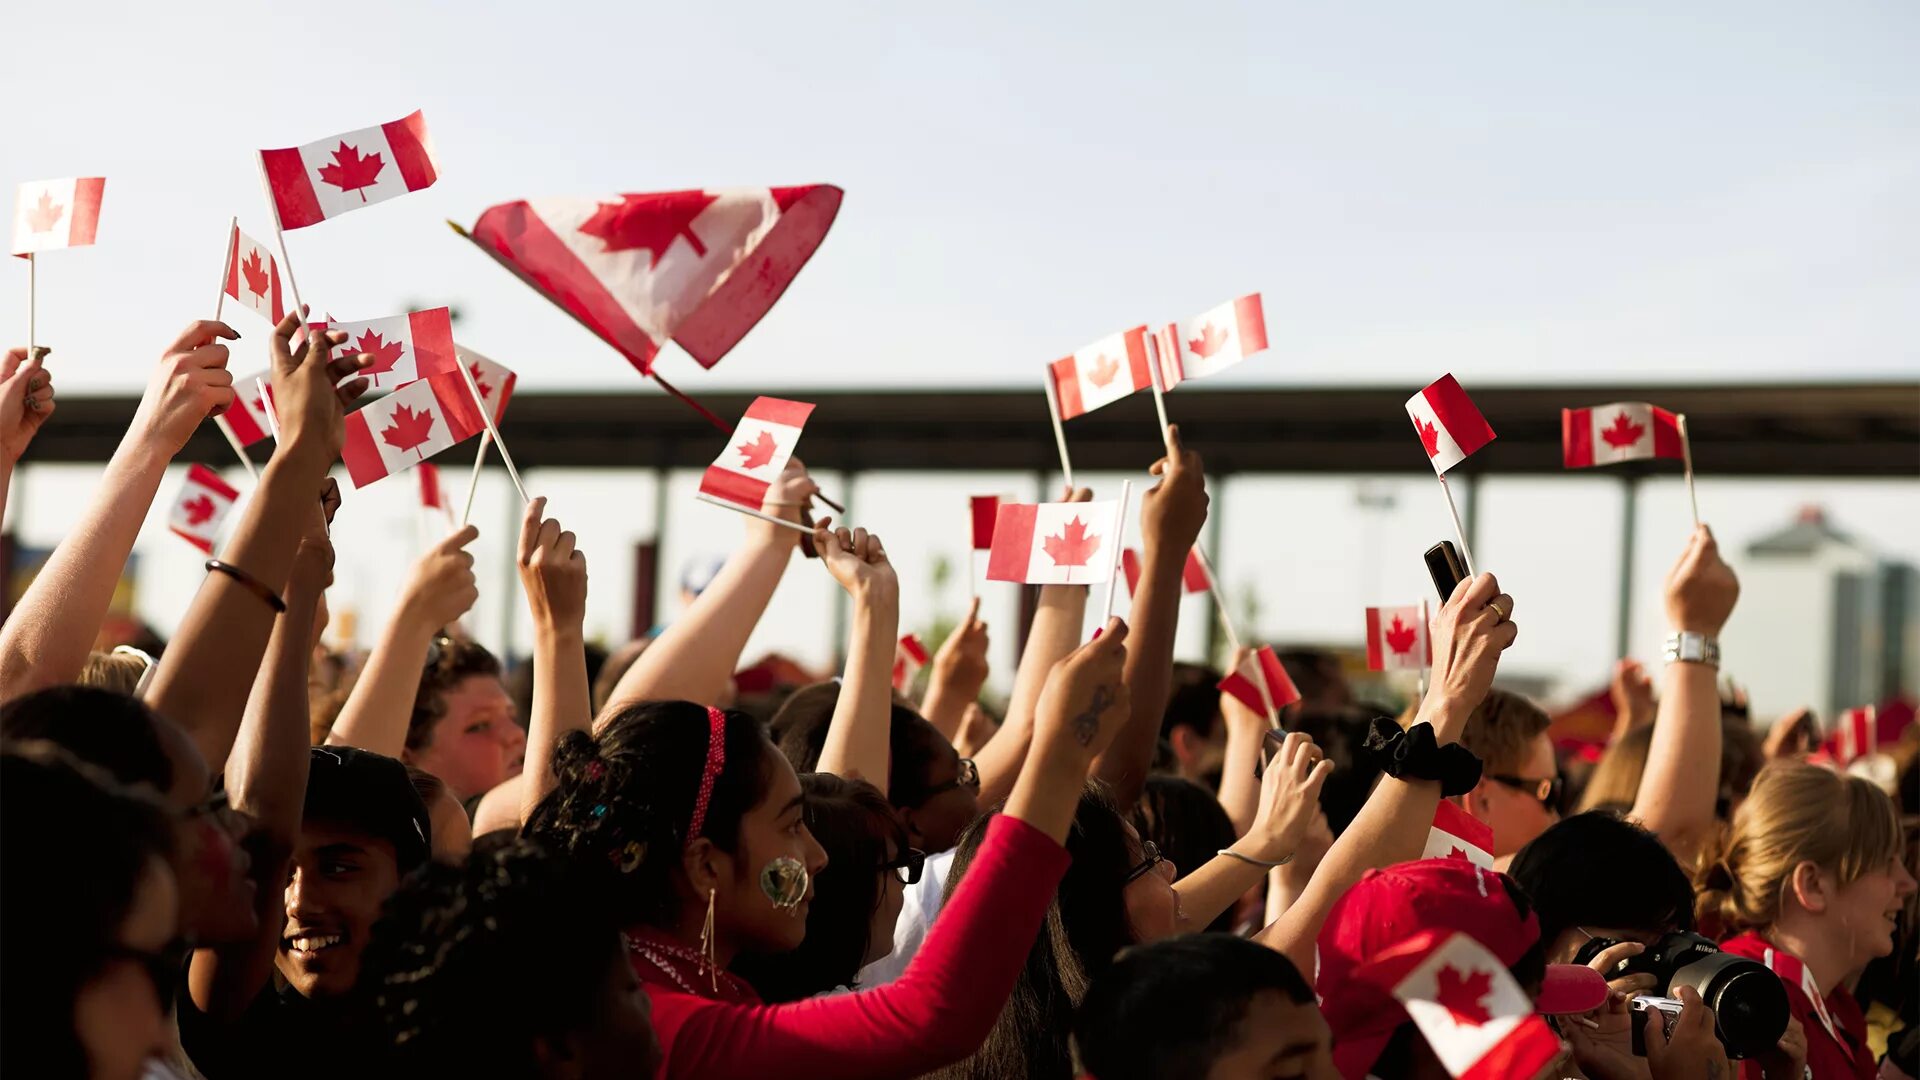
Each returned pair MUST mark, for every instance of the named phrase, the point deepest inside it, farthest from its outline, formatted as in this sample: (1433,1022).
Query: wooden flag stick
(738,509)
(1059,433)
(1119,525)
(486,417)
(238,450)
(1466,554)
(33,307)
(1153,376)
(473,484)
(1686,456)
(273,417)
(1219,600)
(1266,693)
(219,305)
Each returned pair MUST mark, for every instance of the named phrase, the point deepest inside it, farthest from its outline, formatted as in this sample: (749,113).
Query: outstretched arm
(858,735)
(1288,797)
(26,401)
(1054,635)
(1246,731)
(554,574)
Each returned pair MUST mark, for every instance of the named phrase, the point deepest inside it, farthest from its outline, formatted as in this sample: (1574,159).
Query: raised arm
(554,574)
(693,659)
(1289,795)
(441,589)
(1171,514)
(1675,801)
(959,671)
(26,401)
(226,627)
(1468,637)
(46,640)
(859,733)
(1246,731)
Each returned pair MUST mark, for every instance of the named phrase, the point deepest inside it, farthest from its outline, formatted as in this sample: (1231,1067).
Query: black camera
(1749,1003)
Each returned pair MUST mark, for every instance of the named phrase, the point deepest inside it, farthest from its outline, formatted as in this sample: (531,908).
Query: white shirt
(917,910)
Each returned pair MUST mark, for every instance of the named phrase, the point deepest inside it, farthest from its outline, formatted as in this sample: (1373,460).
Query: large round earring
(709,955)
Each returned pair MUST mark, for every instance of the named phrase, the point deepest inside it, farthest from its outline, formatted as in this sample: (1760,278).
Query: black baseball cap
(370,793)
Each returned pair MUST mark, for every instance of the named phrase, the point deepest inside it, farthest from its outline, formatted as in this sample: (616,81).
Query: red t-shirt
(1836,1028)
(935,1014)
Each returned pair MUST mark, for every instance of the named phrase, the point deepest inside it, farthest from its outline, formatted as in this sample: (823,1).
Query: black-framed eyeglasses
(1146,865)
(908,866)
(162,967)
(1546,789)
(967,777)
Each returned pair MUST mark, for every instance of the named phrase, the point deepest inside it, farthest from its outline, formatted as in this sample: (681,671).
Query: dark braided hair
(623,799)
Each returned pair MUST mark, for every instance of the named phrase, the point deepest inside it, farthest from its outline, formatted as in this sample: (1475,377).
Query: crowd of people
(240,855)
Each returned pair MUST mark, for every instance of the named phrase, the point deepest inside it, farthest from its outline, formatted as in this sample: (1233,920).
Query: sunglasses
(162,968)
(1547,790)
(908,866)
(1146,865)
(968,777)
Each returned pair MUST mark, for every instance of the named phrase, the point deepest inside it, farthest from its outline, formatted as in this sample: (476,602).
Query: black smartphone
(1446,567)
(1269,746)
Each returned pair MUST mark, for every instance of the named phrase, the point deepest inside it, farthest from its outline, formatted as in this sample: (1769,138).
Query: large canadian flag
(1211,342)
(325,179)
(1622,431)
(1193,576)
(409,426)
(1479,1022)
(1449,426)
(404,347)
(1054,543)
(247,416)
(1102,373)
(1261,681)
(1456,834)
(697,267)
(201,506)
(761,444)
(493,379)
(49,214)
(253,277)
(1397,639)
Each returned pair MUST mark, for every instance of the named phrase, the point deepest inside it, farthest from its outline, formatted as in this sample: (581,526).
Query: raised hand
(552,570)
(788,498)
(857,561)
(961,660)
(312,389)
(1470,632)
(26,401)
(1172,511)
(1085,701)
(442,586)
(1792,736)
(1632,694)
(190,384)
(1701,588)
(1289,798)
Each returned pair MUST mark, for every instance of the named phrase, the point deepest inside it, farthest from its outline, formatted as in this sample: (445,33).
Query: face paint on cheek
(785,882)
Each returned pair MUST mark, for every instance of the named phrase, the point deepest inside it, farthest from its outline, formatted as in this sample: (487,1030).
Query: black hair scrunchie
(1413,755)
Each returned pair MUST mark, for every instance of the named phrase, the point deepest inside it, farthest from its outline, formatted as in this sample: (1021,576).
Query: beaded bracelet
(248,582)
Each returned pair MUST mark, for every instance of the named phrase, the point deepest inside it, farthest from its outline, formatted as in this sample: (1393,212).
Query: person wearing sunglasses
(1519,790)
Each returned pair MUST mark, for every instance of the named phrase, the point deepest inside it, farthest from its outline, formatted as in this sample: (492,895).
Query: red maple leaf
(259,405)
(1210,341)
(758,452)
(352,172)
(1461,994)
(385,354)
(45,213)
(409,429)
(198,510)
(1400,637)
(1458,852)
(1623,433)
(480,379)
(256,274)
(1429,436)
(1102,370)
(1073,547)
(650,221)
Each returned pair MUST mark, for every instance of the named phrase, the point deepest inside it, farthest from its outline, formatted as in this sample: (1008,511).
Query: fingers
(972,621)
(453,543)
(1112,636)
(340,367)
(1611,956)
(349,392)
(201,332)
(1079,494)
(530,529)
(1473,593)
(1175,448)
(330,499)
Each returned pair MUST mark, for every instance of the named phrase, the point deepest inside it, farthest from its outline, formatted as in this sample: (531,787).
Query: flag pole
(1460,532)
(239,451)
(1059,433)
(1686,454)
(1119,525)
(226,267)
(486,417)
(738,509)
(1153,376)
(473,484)
(1219,601)
(973,562)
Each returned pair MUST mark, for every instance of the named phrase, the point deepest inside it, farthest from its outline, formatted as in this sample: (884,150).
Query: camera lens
(1749,1002)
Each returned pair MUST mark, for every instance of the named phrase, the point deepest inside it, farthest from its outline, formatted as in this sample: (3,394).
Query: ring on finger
(1504,613)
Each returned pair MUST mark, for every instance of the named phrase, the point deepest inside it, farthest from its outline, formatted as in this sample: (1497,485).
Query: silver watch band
(1689,647)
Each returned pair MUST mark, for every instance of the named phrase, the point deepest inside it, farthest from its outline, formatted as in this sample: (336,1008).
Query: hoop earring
(709,955)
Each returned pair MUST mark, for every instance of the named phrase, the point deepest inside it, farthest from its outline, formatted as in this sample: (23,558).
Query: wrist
(1446,712)
(560,633)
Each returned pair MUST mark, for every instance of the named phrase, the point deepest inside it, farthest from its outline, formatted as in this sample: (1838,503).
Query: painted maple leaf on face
(45,214)
(757,453)
(1429,436)
(385,354)
(409,429)
(1211,340)
(653,222)
(198,510)
(1460,994)
(1400,637)
(255,272)
(1623,433)
(1102,370)
(1073,547)
(352,172)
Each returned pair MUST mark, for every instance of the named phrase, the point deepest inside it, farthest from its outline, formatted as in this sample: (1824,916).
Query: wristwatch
(1692,648)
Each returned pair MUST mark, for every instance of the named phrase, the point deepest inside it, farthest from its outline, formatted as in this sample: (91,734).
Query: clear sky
(1511,192)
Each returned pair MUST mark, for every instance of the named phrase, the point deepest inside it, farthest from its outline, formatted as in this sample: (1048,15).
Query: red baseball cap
(1385,908)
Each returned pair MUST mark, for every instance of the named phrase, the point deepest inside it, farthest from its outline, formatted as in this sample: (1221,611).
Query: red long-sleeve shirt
(935,1014)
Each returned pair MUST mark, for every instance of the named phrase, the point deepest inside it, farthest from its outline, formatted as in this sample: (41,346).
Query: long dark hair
(914,745)
(111,731)
(855,824)
(1085,928)
(623,799)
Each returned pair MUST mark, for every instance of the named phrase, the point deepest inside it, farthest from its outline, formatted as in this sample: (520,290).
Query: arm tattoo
(1087,724)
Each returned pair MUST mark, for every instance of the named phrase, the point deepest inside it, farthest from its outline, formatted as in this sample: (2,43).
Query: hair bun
(576,759)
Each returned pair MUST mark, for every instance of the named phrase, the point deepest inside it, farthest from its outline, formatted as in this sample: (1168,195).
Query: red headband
(716,760)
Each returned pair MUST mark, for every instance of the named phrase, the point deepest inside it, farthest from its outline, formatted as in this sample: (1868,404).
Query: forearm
(47,638)
(6,488)
(1213,888)
(1057,621)
(693,658)
(376,714)
(859,733)
(945,704)
(1676,800)
(1048,792)
(562,702)
(1239,787)
(1156,615)
(1000,759)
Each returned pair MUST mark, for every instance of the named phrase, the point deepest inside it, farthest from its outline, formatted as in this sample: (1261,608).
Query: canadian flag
(1449,426)
(1193,576)
(1211,342)
(253,277)
(493,379)
(49,214)
(430,496)
(325,179)
(1479,1022)
(1246,683)
(1622,431)
(409,426)
(1102,373)
(761,444)
(201,506)
(1397,639)
(404,347)
(1856,735)
(247,416)
(1054,543)
(697,267)
(1457,834)
(983,509)
(908,658)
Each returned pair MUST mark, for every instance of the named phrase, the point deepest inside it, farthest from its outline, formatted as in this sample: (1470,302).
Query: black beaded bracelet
(248,582)
(1413,754)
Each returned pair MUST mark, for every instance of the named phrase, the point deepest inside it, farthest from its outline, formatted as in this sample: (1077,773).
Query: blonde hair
(1615,782)
(116,671)
(1795,814)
